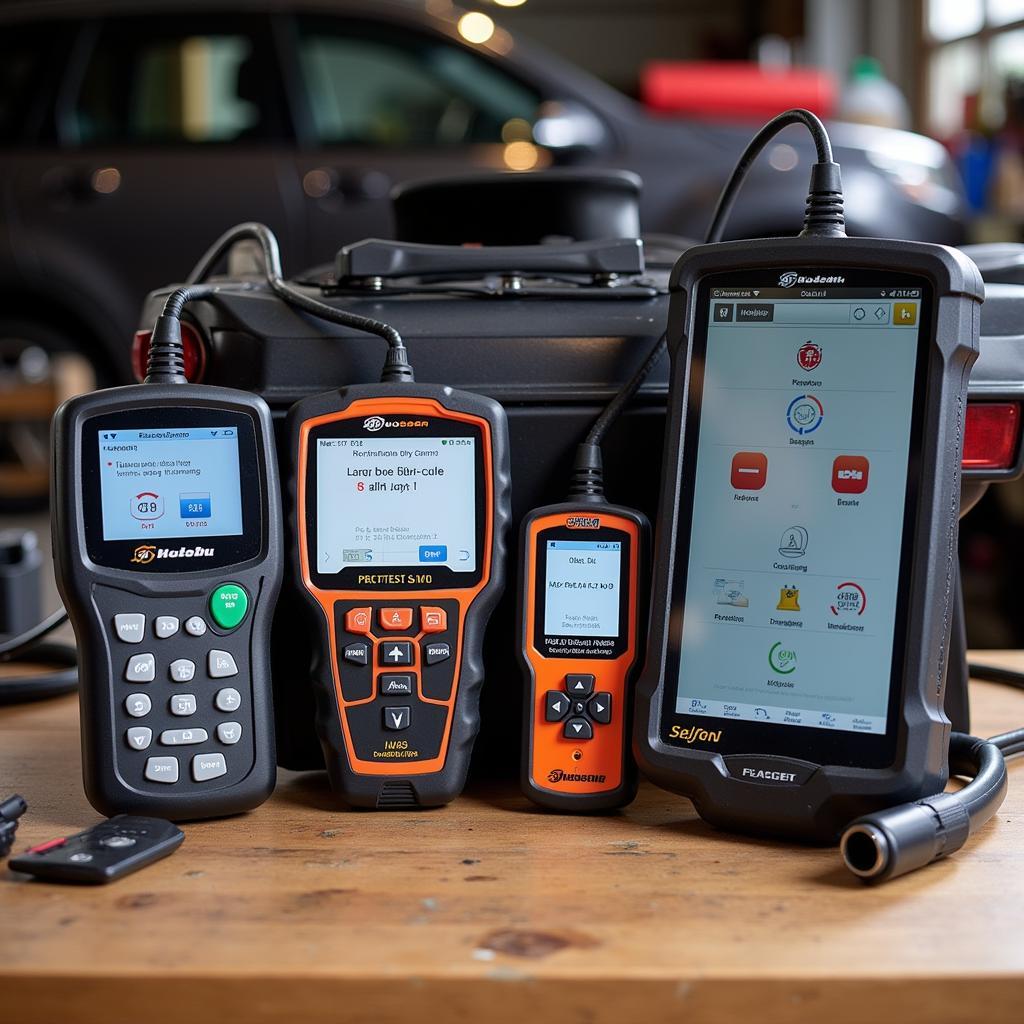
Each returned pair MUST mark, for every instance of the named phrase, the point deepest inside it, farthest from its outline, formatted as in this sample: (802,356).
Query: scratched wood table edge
(33,991)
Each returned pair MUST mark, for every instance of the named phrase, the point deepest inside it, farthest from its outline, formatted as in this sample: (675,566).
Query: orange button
(395,618)
(357,620)
(433,620)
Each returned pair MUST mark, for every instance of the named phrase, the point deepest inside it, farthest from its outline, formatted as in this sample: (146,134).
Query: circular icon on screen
(808,356)
(804,414)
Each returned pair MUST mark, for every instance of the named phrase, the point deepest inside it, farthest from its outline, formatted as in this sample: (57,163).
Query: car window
(376,85)
(23,52)
(149,81)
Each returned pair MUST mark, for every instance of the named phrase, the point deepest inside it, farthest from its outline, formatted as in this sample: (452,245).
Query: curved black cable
(396,366)
(28,646)
(587,481)
(824,215)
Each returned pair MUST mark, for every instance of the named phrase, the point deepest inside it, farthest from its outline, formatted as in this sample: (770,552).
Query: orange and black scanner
(400,510)
(581,623)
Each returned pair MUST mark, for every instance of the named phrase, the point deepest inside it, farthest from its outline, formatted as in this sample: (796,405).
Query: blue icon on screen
(195,505)
(433,552)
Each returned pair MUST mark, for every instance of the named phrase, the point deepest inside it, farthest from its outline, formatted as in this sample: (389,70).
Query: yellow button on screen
(904,314)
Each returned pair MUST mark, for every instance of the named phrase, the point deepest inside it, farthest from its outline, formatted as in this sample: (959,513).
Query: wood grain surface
(490,911)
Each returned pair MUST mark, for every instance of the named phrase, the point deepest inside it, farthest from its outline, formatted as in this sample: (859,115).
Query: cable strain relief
(397,368)
(824,216)
(587,483)
(166,364)
(954,821)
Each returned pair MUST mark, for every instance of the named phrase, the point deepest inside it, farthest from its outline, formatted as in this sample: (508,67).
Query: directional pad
(556,706)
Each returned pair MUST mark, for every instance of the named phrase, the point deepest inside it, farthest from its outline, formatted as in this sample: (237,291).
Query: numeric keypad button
(182,737)
(208,766)
(139,737)
(182,670)
(165,626)
(141,668)
(195,625)
(183,704)
(229,732)
(162,769)
(221,665)
(138,705)
(130,627)
(227,699)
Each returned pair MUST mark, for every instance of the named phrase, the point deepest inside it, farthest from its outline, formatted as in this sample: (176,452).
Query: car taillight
(991,434)
(192,343)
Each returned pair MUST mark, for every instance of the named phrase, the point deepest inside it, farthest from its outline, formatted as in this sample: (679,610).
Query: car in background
(132,133)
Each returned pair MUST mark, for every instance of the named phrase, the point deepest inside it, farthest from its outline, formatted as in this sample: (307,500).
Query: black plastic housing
(431,789)
(80,580)
(831,795)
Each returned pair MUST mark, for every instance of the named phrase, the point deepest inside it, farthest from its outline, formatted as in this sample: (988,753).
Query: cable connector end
(898,840)
(587,483)
(824,216)
(397,368)
(166,364)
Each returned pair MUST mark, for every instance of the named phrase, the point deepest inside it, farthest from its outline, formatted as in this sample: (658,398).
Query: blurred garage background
(132,133)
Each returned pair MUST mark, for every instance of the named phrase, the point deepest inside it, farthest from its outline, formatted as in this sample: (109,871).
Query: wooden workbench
(489,911)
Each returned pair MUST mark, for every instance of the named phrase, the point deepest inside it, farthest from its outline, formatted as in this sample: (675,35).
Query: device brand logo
(694,734)
(583,522)
(768,776)
(146,553)
(791,278)
(556,775)
(374,423)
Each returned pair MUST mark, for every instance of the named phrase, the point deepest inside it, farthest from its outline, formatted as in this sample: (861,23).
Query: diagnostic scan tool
(581,570)
(167,549)
(810,498)
(402,501)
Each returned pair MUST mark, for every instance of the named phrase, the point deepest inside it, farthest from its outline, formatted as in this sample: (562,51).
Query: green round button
(228,605)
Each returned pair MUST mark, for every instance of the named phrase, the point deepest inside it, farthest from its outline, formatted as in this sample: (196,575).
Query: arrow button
(397,718)
(395,652)
(578,729)
(600,708)
(579,685)
(556,706)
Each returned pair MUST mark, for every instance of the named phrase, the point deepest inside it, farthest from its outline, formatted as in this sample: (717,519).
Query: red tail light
(991,435)
(195,353)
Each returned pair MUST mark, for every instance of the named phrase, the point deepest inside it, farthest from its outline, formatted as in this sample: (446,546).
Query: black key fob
(103,853)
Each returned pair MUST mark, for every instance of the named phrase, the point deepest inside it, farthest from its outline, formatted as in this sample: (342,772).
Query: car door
(167,131)
(377,103)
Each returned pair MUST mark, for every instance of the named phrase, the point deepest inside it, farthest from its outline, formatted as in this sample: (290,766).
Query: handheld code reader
(808,526)
(581,619)
(401,507)
(168,556)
